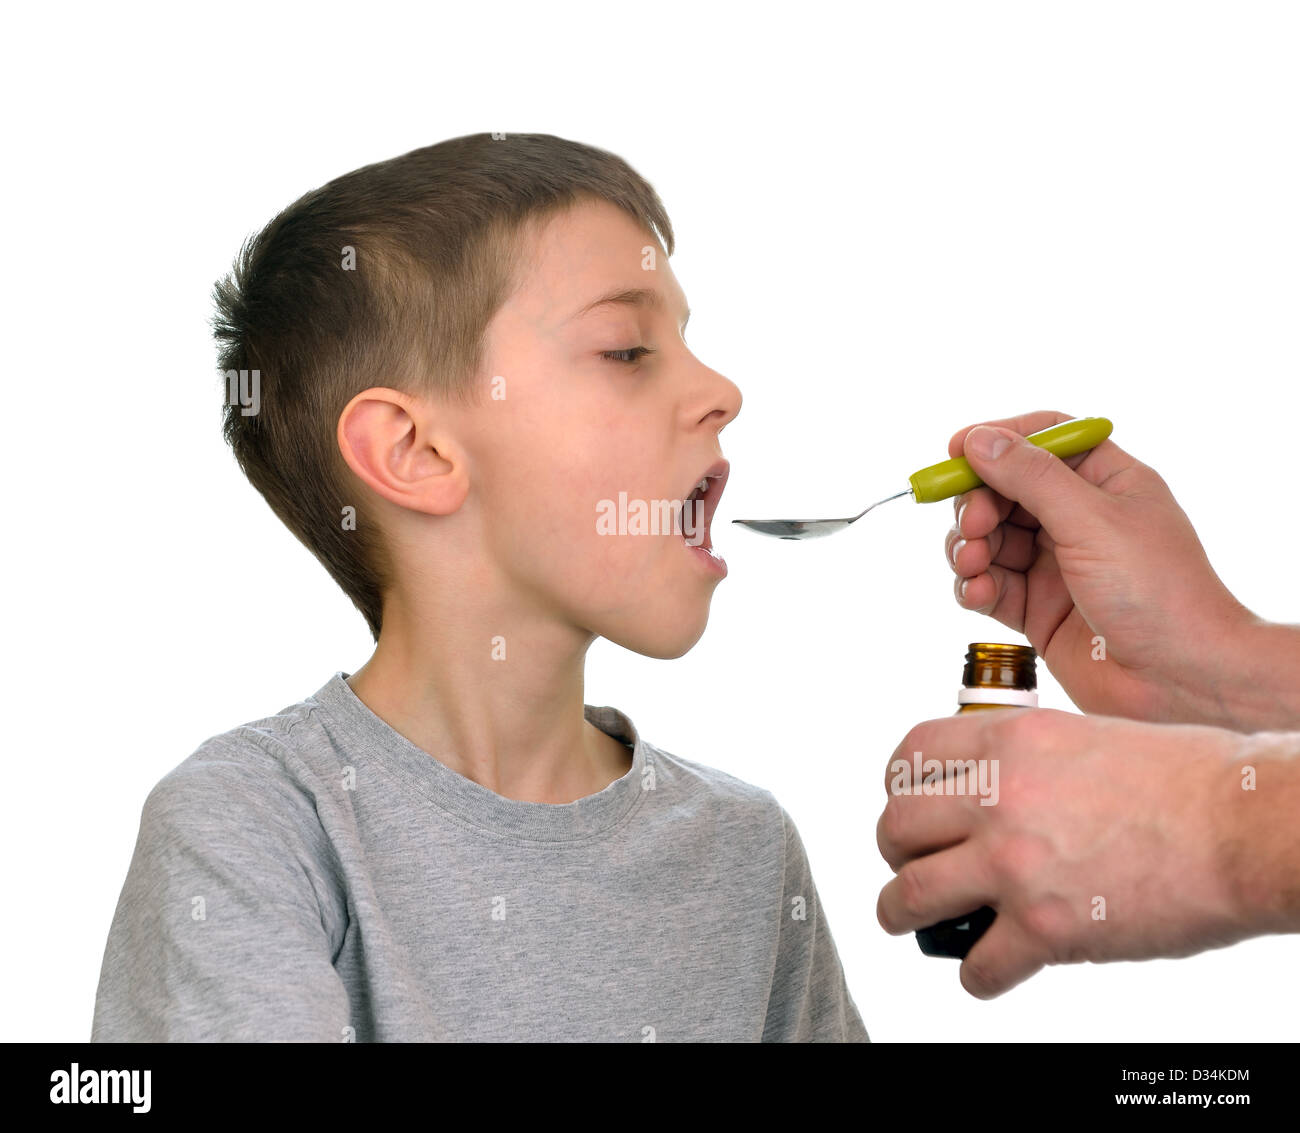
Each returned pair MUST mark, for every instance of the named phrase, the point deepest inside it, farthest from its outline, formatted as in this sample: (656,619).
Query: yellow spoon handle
(952,477)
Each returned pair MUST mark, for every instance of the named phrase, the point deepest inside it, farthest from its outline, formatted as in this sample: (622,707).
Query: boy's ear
(386,437)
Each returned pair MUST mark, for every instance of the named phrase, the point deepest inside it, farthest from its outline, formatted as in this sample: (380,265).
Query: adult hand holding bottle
(1110,839)
(1092,559)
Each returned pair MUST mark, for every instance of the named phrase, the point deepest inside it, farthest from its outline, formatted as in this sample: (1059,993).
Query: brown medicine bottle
(995,676)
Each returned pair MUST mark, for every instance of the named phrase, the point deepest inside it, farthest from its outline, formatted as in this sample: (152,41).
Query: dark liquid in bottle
(988,666)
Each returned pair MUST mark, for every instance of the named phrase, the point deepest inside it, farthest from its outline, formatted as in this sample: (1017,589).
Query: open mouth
(700,505)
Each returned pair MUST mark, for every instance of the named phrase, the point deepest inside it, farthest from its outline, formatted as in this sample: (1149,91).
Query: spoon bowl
(808,528)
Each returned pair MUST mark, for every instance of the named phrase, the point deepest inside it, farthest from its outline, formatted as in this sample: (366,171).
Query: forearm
(1254,819)
(1246,681)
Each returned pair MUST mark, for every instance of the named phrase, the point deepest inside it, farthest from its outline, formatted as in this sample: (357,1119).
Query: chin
(665,642)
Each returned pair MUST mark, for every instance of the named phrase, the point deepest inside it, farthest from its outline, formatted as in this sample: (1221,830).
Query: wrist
(1257,836)
(1233,670)
(1256,686)
(1204,675)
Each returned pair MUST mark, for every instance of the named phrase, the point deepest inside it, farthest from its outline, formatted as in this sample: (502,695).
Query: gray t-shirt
(315,876)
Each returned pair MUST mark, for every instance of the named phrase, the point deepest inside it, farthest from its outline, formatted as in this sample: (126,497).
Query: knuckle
(1154,484)
(1024,728)
(1013,862)
(915,740)
(889,830)
(999,577)
(1139,481)
(912,891)
(1037,463)
(1049,922)
(1150,474)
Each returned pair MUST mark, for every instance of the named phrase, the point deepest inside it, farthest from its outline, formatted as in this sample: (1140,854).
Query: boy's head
(430,362)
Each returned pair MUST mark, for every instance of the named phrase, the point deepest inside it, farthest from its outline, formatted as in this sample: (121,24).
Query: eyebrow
(631,296)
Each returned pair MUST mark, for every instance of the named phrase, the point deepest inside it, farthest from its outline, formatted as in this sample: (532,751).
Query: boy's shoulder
(694,787)
(260,770)
(693,778)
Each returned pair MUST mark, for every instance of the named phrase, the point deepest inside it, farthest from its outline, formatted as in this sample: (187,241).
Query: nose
(722,400)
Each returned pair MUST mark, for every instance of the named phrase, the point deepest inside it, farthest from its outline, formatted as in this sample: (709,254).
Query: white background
(893,220)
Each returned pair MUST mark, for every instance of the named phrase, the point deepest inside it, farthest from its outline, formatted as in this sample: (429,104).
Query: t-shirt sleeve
(225,929)
(810,1000)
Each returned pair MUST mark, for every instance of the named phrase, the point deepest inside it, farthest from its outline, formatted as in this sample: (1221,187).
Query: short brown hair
(435,236)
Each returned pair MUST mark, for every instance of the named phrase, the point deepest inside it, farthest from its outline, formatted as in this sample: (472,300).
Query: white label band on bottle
(1021,697)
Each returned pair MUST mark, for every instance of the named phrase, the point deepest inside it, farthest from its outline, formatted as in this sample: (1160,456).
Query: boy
(453,363)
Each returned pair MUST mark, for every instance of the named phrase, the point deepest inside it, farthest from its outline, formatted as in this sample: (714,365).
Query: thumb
(1058,497)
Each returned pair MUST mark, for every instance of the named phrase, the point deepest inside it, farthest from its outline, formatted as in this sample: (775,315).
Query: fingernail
(962,588)
(960,512)
(956,550)
(987,443)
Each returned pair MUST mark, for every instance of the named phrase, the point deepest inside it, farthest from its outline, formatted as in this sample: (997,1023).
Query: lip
(717,474)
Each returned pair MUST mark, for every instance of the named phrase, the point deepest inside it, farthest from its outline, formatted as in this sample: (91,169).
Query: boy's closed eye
(636,352)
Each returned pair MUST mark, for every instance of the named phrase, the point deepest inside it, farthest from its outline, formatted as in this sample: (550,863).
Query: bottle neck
(998,676)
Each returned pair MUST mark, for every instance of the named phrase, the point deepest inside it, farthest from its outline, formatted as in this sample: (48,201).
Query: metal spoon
(944,480)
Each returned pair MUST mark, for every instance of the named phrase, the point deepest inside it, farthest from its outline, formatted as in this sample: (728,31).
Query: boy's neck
(518,731)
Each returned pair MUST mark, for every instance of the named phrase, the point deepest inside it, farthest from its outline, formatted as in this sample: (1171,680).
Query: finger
(1029,423)
(942,733)
(1002,958)
(935,887)
(980,510)
(1025,424)
(1062,500)
(998,592)
(912,825)
(1096,465)
(1016,548)
(1008,546)
(1052,599)
(952,546)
